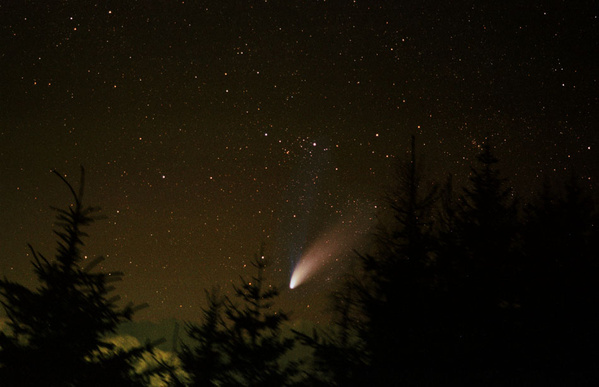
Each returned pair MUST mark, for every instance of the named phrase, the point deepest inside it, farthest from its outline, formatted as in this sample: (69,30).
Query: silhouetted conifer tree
(478,297)
(397,294)
(57,331)
(561,243)
(244,345)
(480,250)
(487,215)
(206,362)
(255,346)
(338,357)
(393,306)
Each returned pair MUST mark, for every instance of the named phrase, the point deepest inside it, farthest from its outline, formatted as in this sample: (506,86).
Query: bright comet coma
(331,246)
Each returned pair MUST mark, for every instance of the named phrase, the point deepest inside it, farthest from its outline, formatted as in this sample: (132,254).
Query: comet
(327,249)
(302,271)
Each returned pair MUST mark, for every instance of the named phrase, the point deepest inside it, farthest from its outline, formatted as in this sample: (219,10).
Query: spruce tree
(488,211)
(57,331)
(561,245)
(397,293)
(485,284)
(393,299)
(240,341)
(205,362)
(255,345)
(487,234)
(339,354)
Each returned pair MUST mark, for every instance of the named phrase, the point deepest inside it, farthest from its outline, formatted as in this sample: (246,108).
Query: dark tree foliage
(464,290)
(396,295)
(256,346)
(206,362)
(338,357)
(244,345)
(479,260)
(389,317)
(487,226)
(57,331)
(561,268)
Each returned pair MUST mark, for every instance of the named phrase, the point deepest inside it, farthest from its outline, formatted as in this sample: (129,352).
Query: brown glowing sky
(207,128)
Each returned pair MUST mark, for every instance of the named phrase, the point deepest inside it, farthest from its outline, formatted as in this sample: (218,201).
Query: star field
(208,128)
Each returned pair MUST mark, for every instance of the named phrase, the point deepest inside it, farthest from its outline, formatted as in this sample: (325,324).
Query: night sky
(209,127)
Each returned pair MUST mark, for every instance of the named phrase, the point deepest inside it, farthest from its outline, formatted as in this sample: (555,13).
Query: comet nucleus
(330,246)
(304,268)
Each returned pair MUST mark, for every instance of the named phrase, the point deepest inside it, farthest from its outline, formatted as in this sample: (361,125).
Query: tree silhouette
(480,260)
(561,245)
(388,312)
(487,214)
(397,293)
(467,292)
(338,357)
(256,347)
(206,361)
(245,345)
(57,331)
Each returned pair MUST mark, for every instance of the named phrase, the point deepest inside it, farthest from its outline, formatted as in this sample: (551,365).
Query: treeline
(471,287)
(465,286)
